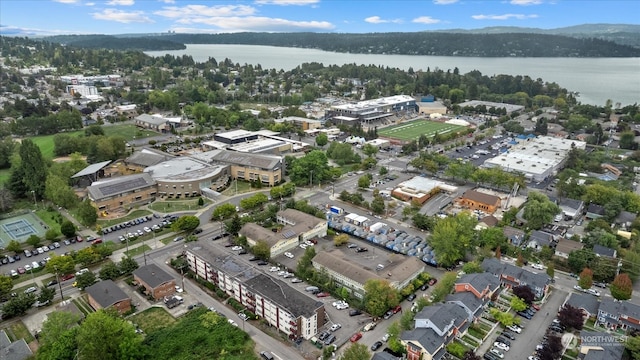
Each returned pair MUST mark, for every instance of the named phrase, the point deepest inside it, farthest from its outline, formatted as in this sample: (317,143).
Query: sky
(53,17)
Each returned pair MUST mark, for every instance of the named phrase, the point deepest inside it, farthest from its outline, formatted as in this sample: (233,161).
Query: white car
(578,288)
(40,250)
(501,346)
(236,248)
(497,353)
(335,327)
(593,292)
(281,273)
(338,303)
(27,267)
(342,307)
(289,255)
(516,329)
(274,269)
(179,289)
(537,266)
(308,243)
(303,246)
(146,229)
(385,337)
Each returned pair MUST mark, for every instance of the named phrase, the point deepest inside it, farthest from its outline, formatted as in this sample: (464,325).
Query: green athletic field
(412,130)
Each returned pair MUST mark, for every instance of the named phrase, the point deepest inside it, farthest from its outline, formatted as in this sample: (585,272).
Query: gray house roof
(595,209)
(625,218)
(266,162)
(541,238)
(480,281)
(17,350)
(617,308)
(571,204)
(383,355)
(608,350)
(153,120)
(604,251)
(516,236)
(472,304)
(443,316)
(584,301)
(103,189)
(153,275)
(426,337)
(297,303)
(536,282)
(148,157)
(106,293)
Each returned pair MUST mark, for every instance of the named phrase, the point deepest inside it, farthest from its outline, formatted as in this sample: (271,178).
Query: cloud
(122,16)
(21,31)
(505,17)
(526,2)
(444,2)
(257,23)
(188,12)
(67,1)
(287,2)
(425,20)
(168,1)
(378,20)
(121,2)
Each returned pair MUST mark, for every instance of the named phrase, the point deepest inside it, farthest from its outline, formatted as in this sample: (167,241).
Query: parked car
(52,282)
(356,337)
(432,281)
(376,345)
(411,297)
(354,312)
(67,277)
(497,352)
(178,238)
(335,327)
(501,346)
(322,294)
(508,335)
(537,266)
(385,338)
(289,255)
(30,290)
(503,340)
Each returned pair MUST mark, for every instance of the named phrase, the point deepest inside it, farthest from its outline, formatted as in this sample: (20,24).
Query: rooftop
(374,103)
(297,303)
(91,169)
(106,188)
(267,162)
(183,168)
(481,197)
(106,293)
(235,134)
(153,275)
(148,157)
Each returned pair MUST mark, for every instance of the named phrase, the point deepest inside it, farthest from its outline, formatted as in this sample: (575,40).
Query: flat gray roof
(103,189)
(91,169)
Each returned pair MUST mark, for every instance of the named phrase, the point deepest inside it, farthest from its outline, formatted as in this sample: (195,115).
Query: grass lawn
(242,187)
(17,331)
(50,218)
(83,305)
(152,319)
(128,132)
(176,205)
(137,251)
(45,143)
(413,129)
(132,215)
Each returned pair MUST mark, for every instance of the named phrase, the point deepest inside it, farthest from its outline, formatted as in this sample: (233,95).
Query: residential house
(587,303)
(476,200)
(487,222)
(604,251)
(614,315)
(539,239)
(566,246)
(625,219)
(600,346)
(435,327)
(515,236)
(571,208)
(511,275)
(481,285)
(14,350)
(594,211)
(473,305)
(384,355)
(352,276)
(293,313)
(106,294)
(156,282)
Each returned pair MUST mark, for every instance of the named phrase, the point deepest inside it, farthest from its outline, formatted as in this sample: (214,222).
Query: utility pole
(59,284)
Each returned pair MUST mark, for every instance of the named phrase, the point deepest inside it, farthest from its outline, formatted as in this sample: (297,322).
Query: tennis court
(20,227)
(412,130)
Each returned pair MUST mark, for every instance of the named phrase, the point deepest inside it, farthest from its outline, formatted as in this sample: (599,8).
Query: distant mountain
(117,42)
(624,34)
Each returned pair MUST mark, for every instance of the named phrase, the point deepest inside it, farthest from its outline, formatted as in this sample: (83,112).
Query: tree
(369,150)
(504,318)
(223,212)
(456,349)
(233,225)
(18,305)
(356,351)
(57,337)
(6,284)
(254,201)
(364,182)
(452,238)
(34,240)
(46,294)
(627,140)
(87,256)
(518,304)
(340,240)
(128,265)
(67,228)
(59,192)
(262,250)
(305,265)
(377,205)
(491,237)
(104,335)
(60,264)
(322,139)
(571,317)
(109,271)
(6,198)
(379,297)
(524,292)
(579,259)
(311,168)
(85,280)
(551,270)
(541,126)
(539,210)
(87,213)
(621,287)
(586,279)
(444,286)
(14,246)
(472,268)
(633,345)
(422,221)
(32,170)
(186,223)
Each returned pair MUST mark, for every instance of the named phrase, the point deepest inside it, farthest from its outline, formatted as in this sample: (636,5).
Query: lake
(595,79)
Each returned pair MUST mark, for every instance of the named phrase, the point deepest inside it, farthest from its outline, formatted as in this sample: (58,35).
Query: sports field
(20,227)
(412,130)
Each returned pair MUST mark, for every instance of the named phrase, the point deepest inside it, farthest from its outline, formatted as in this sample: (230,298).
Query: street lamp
(59,284)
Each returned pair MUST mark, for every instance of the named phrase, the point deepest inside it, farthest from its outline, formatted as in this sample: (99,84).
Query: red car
(536,306)
(79,238)
(356,337)
(322,294)
(397,309)
(432,281)
(97,241)
(67,277)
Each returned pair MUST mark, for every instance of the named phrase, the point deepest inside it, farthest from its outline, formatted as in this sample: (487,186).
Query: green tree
(223,212)
(34,240)
(186,223)
(85,280)
(59,192)
(14,246)
(105,336)
(87,213)
(364,182)
(621,287)
(377,205)
(254,201)
(551,271)
(6,284)
(67,228)
(18,305)
(109,271)
(444,286)
(340,240)
(456,349)
(586,279)
(87,256)
(369,150)
(379,297)
(311,168)
(51,234)
(32,170)
(492,237)
(627,140)
(304,269)
(579,259)
(472,268)
(633,345)
(55,329)
(60,264)
(262,250)
(539,210)
(504,318)
(356,351)
(233,225)
(322,139)
(46,294)
(518,304)
(127,265)
(452,237)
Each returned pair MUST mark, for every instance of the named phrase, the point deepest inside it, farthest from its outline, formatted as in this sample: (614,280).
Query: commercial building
(420,189)
(106,294)
(281,306)
(141,159)
(255,142)
(83,90)
(128,111)
(155,122)
(353,276)
(303,123)
(122,192)
(368,111)
(156,282)
(268,169)
(187,176)
(477,200)
(536,158)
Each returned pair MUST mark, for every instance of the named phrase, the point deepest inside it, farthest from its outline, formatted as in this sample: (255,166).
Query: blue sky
(50,17)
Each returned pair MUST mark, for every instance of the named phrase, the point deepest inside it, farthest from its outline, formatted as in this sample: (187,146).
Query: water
(595,79)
